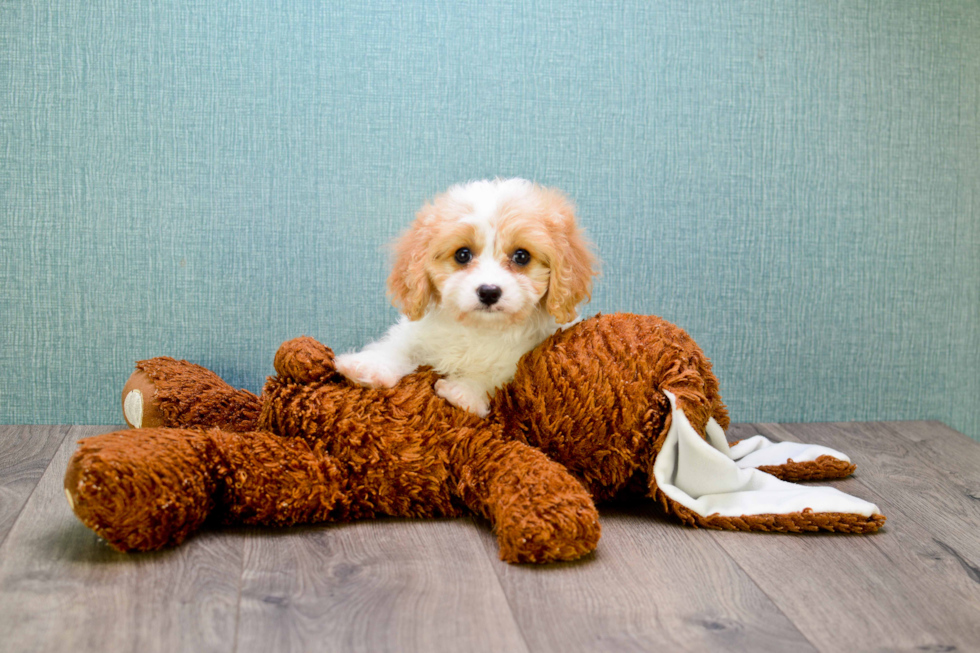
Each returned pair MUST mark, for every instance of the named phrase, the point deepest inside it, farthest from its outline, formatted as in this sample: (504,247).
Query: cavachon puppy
(486,272)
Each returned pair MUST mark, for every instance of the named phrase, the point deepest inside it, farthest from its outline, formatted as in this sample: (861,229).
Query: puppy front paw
(369,368)
(464,394)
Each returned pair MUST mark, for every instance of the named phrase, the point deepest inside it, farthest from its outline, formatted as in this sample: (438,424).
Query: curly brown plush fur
(582,420)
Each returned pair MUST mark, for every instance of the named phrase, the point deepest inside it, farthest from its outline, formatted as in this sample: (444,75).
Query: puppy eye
(463,255)
(521,257)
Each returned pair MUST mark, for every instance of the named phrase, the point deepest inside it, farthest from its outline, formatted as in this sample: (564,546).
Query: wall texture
(797,184)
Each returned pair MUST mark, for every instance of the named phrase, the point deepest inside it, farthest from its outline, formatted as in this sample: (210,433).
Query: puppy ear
(408,283)
(572,261)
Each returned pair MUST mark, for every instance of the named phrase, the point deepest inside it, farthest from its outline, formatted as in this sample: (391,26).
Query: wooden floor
(438,585)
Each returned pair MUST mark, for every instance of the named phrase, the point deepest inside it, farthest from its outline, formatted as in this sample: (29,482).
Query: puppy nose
(489,294)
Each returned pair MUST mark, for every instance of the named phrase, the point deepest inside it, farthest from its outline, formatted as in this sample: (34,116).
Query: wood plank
(651,585)
(953,454)
(62,589)
(388,585)
(895,590)
(938,436)
(25,452)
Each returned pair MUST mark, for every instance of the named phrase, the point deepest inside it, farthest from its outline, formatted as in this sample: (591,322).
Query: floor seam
(13,524)
(503,592)
(238,603)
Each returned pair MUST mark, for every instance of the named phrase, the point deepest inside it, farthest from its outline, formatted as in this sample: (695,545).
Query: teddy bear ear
(573,265)
(409,284)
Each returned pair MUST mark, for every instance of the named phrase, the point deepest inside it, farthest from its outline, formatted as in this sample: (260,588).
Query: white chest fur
(486,353)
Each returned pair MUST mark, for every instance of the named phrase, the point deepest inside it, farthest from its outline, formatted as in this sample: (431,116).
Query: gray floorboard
(25,452)
(393,585)
(386,585)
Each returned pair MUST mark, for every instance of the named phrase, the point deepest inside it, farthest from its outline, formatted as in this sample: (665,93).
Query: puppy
(487,271)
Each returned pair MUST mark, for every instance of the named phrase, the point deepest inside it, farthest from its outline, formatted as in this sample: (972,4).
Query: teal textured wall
(796,183)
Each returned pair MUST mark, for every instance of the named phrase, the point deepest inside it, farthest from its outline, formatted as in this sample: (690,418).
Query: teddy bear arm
(164,392)
(540,512)
(304,360)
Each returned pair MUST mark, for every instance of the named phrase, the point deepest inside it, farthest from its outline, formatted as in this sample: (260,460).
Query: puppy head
(491,252)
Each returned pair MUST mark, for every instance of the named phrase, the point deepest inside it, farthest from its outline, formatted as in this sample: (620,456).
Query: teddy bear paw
(139,402)
(142,490)
(304,360)
(565,530)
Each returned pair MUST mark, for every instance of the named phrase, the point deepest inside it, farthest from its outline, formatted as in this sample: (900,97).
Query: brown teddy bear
(617,403)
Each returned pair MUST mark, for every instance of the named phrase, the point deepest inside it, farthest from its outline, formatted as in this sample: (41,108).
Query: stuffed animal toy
(615,404)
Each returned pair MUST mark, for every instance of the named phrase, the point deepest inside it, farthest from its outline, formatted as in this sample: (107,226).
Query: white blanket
(708,477)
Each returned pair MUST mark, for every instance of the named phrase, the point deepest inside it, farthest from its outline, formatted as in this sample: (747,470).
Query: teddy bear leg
(144,489)
(171,393)
(540,512)
(150,488)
